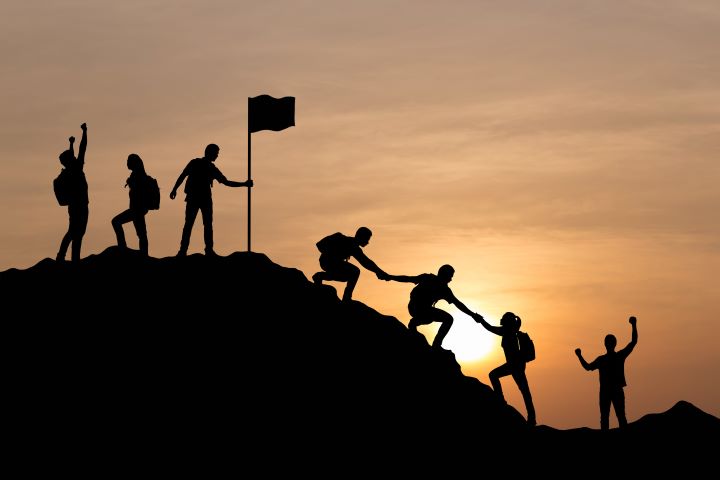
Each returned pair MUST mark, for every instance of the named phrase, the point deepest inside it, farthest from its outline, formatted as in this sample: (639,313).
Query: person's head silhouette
(445,273)
(610,342)
(135,163)
(509,319)
(363,235)
(211,152)
(66,158)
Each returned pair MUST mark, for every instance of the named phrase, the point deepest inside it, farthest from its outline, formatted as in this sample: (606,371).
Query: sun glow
(468,340)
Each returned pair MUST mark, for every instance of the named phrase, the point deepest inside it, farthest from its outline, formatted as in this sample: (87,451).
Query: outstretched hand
(173,194)
(477,317)
(633,320)
(383,276)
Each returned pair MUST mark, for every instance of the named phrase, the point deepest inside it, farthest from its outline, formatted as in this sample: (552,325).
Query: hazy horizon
(561,155)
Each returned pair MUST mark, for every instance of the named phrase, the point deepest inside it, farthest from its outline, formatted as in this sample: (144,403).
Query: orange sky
(562,155)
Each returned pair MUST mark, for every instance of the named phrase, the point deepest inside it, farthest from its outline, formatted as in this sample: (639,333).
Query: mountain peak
(214,333)
(174,350)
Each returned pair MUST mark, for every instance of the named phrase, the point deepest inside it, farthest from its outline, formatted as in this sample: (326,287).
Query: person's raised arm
(71,148)
(585,365)
(83,145)
(633,341)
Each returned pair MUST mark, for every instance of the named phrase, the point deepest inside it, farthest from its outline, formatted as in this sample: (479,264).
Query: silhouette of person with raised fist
(138,209)
(429,289)
(514,364)
(200,173)
(336,250)
(77,188)
(611,367)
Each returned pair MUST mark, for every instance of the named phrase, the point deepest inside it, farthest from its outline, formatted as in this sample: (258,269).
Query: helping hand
(173,194)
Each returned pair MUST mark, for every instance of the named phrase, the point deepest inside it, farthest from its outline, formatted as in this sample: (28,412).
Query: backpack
(150,193)
(527,347)
(334,244)
(62,185)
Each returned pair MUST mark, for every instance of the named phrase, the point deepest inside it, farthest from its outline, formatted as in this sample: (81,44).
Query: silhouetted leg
(327,264)
(64,244)
(604,410)
(207,216)
(117,224)
(495,376)
(141,229)
(618,402)
(414,324)
(522,383)
(419,316)
(191,210)
(353,274)
(78,226)
(446,320)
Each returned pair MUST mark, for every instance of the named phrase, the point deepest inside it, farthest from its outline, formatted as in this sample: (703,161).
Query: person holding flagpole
(200,173)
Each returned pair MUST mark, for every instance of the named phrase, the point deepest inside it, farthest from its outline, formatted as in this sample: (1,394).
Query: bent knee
(444,317)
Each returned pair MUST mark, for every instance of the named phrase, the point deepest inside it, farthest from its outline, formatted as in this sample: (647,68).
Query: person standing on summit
(336,250)
(200,173)
(611,366)
(76,188)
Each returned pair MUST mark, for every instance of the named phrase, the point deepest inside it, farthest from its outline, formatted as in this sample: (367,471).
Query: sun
(468,340)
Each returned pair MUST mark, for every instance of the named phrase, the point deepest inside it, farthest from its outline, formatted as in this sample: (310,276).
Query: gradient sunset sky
(561,155)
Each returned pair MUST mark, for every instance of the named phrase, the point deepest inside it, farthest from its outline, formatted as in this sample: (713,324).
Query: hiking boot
(182,253)
(209,252)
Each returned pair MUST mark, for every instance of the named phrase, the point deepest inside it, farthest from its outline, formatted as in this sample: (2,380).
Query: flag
(268,113)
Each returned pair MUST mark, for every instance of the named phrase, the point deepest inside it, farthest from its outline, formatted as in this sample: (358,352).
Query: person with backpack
(514,360)
(336,250)
(429,289)
(140,184)
(71,189)
(200,174)
(611,367)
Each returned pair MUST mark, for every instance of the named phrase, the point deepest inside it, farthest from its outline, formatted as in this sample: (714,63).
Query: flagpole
(249,176)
